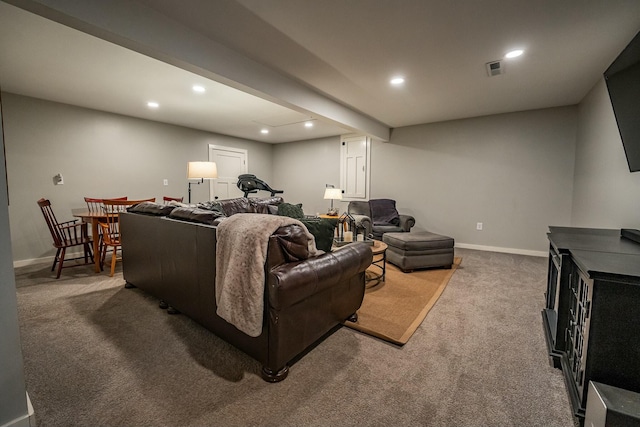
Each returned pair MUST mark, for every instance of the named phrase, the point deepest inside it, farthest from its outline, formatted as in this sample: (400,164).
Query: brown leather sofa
(305,297)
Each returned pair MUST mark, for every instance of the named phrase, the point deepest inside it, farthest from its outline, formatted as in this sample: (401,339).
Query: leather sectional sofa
(171,255)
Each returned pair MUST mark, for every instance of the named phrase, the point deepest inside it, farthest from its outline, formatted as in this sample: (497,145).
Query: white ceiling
(345,50)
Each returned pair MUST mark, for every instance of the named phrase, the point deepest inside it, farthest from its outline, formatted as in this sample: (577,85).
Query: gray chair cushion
(379,230)
(359,208)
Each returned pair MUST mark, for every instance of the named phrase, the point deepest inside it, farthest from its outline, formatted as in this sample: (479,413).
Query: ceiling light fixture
(199,89)
(152,104)
(397,81)
(308,124)
(264,131)
(514,53)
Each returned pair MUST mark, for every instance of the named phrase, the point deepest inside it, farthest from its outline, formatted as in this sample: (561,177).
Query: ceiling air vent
(494,68)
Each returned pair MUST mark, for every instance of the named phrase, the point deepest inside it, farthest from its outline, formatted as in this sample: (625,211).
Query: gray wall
(13,403)
(303,169)
(512,172)
(99,155)
(606,194)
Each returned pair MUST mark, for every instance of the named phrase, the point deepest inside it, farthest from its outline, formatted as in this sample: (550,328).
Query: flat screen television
(623,83)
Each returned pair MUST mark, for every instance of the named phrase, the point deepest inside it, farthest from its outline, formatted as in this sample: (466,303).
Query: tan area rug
(392,310)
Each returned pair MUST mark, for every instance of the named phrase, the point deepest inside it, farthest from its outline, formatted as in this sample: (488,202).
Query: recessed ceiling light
(397,81)
(199,89)
(514,53)
(152,104)
(308,124)
(264,131)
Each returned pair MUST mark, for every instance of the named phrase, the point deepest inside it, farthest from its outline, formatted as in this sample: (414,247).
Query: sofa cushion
(290,210)
(212,205)
(323,230)
(234,206)
(151,208)
(273,201)
(293,242)
(202,216)
(273,209)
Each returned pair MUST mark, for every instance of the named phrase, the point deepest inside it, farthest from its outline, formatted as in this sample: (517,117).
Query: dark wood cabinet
(592,313)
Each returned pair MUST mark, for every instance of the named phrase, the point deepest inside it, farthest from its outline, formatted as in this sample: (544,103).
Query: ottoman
(418,249)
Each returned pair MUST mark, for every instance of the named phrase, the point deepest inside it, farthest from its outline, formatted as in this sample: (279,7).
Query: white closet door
(354,167)
(230,162)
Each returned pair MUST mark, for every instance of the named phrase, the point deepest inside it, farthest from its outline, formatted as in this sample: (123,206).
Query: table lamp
(332,194)
(201,171)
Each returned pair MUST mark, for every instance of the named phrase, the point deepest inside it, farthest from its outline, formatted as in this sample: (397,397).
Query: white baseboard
(542,254)
(25,262)
(45,260)
(27,420)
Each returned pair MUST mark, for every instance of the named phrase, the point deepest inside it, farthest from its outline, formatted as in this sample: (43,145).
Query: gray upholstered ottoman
(419,249)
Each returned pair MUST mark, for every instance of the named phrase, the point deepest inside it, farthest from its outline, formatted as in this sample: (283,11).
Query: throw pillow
(323,230)
(292,211)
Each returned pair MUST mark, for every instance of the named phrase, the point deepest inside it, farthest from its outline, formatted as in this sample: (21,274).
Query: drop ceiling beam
(142,29)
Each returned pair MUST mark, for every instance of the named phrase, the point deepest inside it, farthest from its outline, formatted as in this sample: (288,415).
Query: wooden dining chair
(111,228)
(95,205)
(167,199)
(66,235)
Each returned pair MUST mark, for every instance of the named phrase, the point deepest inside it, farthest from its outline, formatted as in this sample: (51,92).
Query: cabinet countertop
(601,253)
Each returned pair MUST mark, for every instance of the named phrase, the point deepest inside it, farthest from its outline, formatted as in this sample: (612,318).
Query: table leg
(96,243)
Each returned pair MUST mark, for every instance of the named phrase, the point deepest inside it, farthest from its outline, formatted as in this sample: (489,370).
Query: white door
(354,167)
(230,162)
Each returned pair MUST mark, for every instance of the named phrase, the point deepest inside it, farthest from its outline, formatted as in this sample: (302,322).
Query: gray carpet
(97,354)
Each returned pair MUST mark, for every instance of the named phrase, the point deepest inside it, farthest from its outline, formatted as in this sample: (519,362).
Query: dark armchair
(379,216)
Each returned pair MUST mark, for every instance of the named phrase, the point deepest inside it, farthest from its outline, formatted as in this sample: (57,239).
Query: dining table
(94,218)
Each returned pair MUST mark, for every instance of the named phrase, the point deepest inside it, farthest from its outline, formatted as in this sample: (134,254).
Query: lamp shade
(202,170)
(333,193)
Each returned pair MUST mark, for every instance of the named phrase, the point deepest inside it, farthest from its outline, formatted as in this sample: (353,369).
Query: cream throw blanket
(241,252)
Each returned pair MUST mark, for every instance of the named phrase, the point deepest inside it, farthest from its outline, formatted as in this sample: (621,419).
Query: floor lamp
(200,171)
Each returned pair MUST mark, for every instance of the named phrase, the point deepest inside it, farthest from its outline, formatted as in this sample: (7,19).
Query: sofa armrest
(292,282)
(406,222)
(364,222)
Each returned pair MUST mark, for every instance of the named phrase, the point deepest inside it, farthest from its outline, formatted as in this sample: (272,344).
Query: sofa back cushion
(243,205)
(151,208)
(202,216)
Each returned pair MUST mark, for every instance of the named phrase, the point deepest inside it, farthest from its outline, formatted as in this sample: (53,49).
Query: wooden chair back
(65,235)
(95,205)
(112,209)
(111,228)
(167,199)
(52,222)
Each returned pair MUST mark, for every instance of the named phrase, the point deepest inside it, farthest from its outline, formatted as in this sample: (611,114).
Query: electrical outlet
(165,182)
(479,226)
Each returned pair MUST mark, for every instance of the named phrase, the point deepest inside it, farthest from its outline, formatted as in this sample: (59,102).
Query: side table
(379,250)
